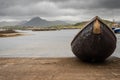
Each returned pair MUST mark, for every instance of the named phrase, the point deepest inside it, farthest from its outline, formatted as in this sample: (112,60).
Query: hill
(5,23)
(82,24)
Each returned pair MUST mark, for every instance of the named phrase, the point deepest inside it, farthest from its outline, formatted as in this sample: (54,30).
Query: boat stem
(96,27)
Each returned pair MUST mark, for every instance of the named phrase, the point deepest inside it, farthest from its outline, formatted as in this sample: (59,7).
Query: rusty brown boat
(95,42)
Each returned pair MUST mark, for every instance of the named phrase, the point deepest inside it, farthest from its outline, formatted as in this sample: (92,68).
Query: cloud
(74,10)
(90,4)
(109,4)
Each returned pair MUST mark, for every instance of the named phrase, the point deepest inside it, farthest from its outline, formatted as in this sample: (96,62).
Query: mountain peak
(36,18)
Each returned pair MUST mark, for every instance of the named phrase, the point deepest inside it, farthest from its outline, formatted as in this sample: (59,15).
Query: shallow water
(42,44)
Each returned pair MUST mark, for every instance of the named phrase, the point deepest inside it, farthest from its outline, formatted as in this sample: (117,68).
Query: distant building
(116,25)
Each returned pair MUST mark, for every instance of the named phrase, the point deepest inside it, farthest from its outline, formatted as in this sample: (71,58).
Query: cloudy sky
(66,10)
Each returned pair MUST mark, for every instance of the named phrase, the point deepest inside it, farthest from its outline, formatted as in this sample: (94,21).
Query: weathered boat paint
(95,42)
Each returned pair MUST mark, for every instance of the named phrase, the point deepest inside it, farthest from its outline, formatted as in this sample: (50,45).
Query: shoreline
(2,35)
(58,69)
(51,29)
(9,33)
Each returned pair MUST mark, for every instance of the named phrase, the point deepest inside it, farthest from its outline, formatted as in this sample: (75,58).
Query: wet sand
(58,69)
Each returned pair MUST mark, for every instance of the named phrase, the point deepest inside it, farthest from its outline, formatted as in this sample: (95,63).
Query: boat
(113,28)
(116,30)
(95,42)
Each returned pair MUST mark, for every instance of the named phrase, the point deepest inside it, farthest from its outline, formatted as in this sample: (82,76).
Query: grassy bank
(9,33)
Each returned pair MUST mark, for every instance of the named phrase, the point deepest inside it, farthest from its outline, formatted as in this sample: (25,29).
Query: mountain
(37,21)
(5,23)
(11,23)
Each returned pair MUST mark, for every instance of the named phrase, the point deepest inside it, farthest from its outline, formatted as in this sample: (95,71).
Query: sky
(65,10)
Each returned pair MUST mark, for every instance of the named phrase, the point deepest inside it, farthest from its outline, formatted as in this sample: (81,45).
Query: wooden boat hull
(91,47)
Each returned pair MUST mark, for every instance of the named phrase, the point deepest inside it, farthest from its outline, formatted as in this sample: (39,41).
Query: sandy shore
(58,69)
(11,34)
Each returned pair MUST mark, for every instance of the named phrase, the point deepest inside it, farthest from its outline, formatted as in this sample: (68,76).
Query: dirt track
(58,69)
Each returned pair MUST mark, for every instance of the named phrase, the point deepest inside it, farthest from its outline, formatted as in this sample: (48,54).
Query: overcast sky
(66,10)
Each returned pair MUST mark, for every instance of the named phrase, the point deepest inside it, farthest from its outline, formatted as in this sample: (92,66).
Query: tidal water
(42,44)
